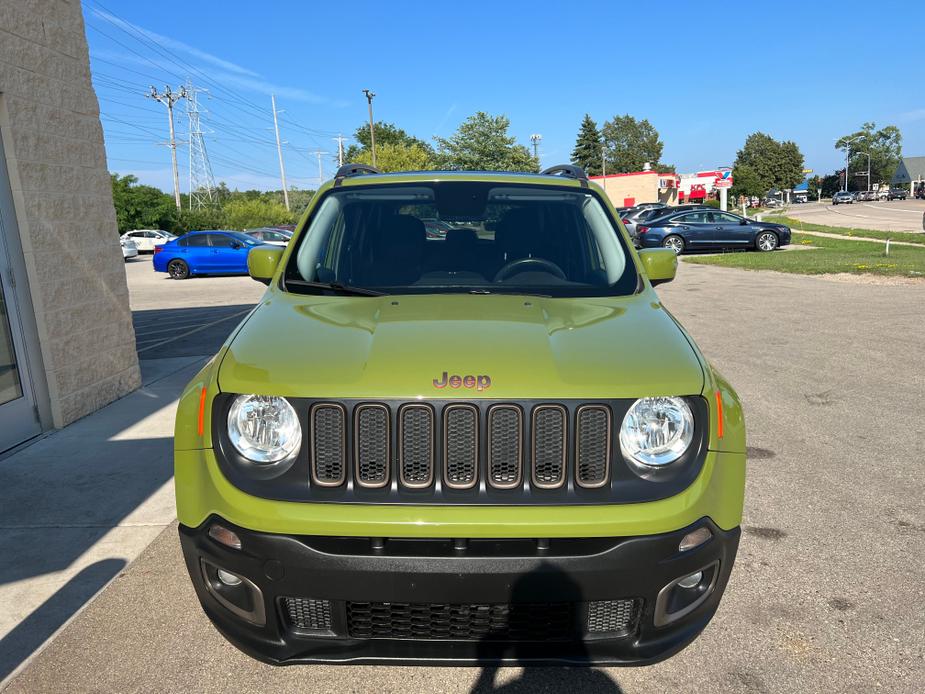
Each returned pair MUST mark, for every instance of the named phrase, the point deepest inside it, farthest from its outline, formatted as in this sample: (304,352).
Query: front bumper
(412,580)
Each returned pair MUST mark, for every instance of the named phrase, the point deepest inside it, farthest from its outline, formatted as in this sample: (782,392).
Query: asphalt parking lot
(829,584)
(895,215)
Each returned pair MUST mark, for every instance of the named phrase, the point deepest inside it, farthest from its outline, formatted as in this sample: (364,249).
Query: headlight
(264,429)
(656,431)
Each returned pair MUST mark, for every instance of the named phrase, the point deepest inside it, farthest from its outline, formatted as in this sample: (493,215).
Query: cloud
(168,42)
(908,116)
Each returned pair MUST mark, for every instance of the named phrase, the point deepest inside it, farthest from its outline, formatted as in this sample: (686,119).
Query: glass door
(18,416)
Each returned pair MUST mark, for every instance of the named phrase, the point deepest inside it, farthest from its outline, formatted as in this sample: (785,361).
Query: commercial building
(67,346)
(628,189)
(911,172)
(697,187)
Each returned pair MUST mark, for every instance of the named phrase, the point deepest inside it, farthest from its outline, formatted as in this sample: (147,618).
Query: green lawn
(797,225)
(826,255)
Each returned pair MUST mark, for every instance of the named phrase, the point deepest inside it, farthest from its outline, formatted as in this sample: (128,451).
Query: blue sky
(704,76)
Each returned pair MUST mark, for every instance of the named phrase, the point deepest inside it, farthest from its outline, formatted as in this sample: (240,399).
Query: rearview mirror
(262,262)
(659,264)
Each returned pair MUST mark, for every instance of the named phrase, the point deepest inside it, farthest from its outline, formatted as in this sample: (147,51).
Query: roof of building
(910,169)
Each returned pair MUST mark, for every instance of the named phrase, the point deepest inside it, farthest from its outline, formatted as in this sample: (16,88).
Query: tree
(386,134)
(249,214)
(141,207)
(398,157)
(629,144)
(764,163)
(588,147)
(884,147)
(482,143)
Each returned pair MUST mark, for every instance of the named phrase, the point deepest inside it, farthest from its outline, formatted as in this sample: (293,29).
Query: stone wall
(53,141)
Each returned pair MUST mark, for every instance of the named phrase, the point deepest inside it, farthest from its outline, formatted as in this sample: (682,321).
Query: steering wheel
(516,266)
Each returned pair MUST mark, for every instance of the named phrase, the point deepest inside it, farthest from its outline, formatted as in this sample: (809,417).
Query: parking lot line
(193,331)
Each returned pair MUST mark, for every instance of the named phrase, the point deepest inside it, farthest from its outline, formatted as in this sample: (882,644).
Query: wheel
(674,242)
(177,269)
(766,241)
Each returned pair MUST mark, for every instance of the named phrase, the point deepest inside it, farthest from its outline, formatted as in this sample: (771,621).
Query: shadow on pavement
(184,332)
(543,584)
(32,632)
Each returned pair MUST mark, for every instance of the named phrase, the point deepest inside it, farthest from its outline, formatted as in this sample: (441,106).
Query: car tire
(177,269)
(674,242)
(766,241)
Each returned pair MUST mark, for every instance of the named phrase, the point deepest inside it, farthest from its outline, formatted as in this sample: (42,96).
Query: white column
(723,193)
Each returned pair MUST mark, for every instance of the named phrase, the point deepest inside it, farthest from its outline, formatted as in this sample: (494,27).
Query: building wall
(634,188)
(62,199)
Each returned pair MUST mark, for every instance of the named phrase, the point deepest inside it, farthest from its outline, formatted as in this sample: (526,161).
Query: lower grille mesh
(305,613)
(461,622)
(612,616)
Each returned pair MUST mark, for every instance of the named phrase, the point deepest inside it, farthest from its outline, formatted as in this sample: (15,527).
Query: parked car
(843,197)
(216,252)
(704,230)
(270,235)
(897,194)
(146,239)
(641,214)
(864,196)
(508,451)
(129,249)
(436,228)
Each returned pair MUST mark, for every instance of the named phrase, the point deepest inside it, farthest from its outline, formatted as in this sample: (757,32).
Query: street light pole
(372,132)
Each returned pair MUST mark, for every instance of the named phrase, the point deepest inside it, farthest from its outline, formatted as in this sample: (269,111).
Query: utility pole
(535,139)
(603,161)
(372,132)
(279,151)
(340,148)
(319,152)
(169,98)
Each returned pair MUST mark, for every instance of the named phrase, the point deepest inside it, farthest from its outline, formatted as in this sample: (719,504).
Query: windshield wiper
(334,287)
(491,291)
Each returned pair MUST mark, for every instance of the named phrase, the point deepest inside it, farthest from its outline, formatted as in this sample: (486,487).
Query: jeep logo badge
(480,383)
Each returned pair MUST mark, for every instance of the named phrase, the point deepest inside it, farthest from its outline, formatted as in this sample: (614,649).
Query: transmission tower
(201,180)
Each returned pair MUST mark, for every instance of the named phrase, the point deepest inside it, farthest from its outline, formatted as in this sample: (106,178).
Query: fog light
(691,581)
(695,538)
(229,579)
(224,536)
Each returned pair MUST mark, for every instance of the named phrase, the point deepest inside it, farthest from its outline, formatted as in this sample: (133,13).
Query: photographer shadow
(546,583)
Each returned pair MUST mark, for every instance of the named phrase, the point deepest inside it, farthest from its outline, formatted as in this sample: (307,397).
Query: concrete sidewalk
(80,504)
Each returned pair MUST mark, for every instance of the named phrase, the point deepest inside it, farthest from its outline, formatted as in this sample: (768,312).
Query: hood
(496,346)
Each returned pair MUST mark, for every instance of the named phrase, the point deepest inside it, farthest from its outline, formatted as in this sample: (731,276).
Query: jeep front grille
(372,445)
(550,424)
(592,446)
(505,444)
(461,446)
(328,445)
(416,451)
(306,613)
(612,617)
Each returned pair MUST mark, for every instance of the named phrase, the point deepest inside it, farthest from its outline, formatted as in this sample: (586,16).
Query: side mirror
(659,264)
(262,262)
(743,222)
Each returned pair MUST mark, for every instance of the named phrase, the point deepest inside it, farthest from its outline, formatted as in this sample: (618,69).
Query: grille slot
(550,424)
(306,613)
(505,446)
(592,446)
(371,445)
(460,446)
(616,617)
(328,445)
(416,454)
(462,622)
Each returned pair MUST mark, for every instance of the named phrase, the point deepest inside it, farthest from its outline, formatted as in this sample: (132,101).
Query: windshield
(458,237)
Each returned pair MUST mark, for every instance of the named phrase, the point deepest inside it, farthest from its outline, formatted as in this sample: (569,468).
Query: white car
(273,237)
(146,239)
(129,249)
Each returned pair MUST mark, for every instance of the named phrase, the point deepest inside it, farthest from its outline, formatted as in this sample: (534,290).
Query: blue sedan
(710,230)
(204,253)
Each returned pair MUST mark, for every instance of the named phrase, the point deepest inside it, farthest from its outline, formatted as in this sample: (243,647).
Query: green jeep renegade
(460,428)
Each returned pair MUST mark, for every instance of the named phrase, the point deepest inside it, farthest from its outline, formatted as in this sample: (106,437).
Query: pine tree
(587,152)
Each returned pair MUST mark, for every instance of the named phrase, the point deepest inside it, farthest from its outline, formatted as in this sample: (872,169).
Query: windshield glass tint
(463,237)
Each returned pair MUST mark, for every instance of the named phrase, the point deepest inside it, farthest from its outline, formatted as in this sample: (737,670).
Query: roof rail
(567,170)
(348,170)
